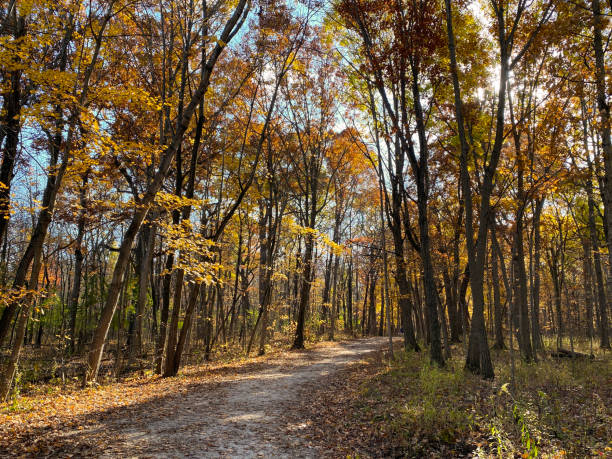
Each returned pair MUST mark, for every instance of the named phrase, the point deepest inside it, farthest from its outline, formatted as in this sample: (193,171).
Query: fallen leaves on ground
(66,420)
(411,409)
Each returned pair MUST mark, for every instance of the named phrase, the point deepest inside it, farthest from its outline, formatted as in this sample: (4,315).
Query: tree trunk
(535,294)
(165,311)
(10,129)
(499,320)
(606,144)
(182,341)
(406,307)
(478,357)
(520,275)
(587,270)
(298,342)
(597,262)
(145,256)
(174,322)
(372,308)
(348,321)
(78,268)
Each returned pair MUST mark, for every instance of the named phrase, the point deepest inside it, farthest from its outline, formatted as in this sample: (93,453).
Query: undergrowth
(38,375)
(554,408)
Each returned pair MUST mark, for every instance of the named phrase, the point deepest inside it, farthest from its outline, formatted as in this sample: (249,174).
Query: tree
(230,29)
(407,23)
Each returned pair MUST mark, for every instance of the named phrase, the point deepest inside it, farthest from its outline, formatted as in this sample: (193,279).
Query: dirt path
(249,415)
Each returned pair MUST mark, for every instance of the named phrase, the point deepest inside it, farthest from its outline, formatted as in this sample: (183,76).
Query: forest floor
(341,399)
(254,409)
(409,408)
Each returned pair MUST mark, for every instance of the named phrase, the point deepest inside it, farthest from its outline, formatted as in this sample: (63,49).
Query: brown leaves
(414,410)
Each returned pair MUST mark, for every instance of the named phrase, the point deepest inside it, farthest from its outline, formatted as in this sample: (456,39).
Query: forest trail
(249,415)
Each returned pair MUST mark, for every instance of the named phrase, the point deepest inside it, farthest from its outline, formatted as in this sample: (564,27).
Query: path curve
(248,416)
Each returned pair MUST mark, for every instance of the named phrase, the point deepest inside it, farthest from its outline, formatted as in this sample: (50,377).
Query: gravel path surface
(247,416)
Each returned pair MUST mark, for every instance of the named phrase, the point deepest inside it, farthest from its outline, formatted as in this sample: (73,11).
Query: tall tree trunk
(536,333)
(594,243)
(182,340)
(520,295)
(499,320)
(410,341)
(372,307)
(165,311)
(364,309)
(174,322)
(8,372)
(298,342)
(520,274)
(325,304)
(606,143)
(557,279)
(145,256)
(421,171)
(587,270)
(382,309)
(10,128)
(349,295)
(334,303)
(478,357)
(78,267)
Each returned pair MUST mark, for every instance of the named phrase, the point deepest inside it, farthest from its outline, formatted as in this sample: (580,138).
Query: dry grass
(409,408)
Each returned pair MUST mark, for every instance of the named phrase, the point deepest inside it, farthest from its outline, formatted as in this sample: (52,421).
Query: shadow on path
(244,414)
